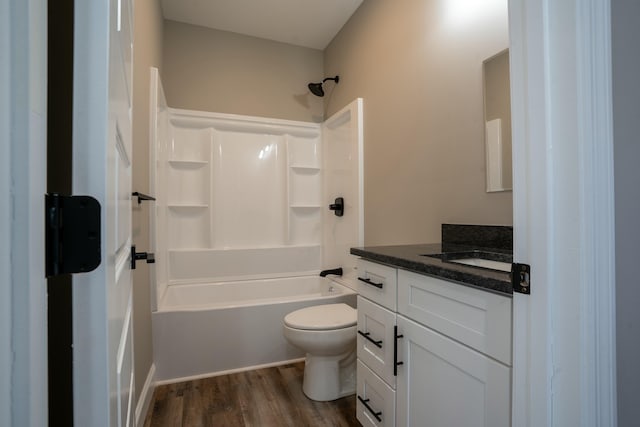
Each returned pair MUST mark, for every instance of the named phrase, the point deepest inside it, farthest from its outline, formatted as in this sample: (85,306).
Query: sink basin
(476,258)
(484,263)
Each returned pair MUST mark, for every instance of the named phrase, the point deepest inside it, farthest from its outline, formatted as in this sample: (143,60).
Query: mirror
(497,119)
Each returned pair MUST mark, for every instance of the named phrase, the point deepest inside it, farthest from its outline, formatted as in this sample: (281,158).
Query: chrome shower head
(316,88)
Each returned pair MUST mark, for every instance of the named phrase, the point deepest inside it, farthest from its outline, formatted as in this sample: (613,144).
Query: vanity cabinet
(376,382)
(436,353)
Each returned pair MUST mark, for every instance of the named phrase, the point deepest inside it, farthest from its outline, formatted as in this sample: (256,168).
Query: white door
(102,300)
(442,383)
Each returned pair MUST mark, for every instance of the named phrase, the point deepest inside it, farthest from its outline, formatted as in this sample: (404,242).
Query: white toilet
(327,333)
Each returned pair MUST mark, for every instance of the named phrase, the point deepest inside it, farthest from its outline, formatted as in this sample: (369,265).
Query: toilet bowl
(327,333)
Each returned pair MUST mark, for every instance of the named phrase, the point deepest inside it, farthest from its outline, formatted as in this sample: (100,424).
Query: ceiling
(308,23)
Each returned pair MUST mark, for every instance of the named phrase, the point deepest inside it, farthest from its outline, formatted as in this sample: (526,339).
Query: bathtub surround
(242,222)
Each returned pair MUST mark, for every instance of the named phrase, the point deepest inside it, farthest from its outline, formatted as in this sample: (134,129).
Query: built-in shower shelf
(188,163)
(304,168)
(187,206)
(305,206)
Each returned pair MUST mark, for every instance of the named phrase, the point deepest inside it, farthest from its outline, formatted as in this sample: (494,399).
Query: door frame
(537,389)
(564,332)
(23,298)
(5,217)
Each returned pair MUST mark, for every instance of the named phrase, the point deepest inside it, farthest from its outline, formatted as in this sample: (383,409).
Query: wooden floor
(264,397)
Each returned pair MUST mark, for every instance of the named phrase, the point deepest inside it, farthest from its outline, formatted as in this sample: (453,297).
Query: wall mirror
(497,121)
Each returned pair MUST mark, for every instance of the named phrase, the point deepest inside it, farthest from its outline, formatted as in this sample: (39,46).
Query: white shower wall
(242,197)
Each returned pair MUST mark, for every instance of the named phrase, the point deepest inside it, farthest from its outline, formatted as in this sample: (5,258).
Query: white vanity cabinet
(450,346)
(451,338)
(376,382)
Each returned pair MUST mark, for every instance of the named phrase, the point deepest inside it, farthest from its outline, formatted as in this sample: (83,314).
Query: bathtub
(210,329)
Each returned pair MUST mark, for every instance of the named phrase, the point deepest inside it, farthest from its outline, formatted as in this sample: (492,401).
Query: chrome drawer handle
(369,282)
(366,335)
(374,413)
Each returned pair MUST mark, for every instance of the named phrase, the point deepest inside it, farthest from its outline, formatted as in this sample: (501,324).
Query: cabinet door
(442,383)
(375,339)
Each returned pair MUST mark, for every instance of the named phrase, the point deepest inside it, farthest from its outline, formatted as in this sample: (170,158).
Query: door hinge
(521,278)
(72,234)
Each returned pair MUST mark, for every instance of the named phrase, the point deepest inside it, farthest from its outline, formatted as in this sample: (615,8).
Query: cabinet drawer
(378,283)
(375,339)
(374,399)
(479,319)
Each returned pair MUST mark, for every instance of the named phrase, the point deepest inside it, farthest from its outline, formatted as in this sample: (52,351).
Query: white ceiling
(309,23)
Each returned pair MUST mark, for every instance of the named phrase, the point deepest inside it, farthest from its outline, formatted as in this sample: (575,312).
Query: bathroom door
(103,377)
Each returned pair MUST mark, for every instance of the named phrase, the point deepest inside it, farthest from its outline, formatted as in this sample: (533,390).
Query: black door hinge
(72,234)
(521,278)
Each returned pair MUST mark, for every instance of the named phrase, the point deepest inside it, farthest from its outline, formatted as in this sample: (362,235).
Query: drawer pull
(366,405)
(366,335)
(395,351)
(369,282)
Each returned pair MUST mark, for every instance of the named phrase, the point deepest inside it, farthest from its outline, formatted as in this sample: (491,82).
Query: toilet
(327,333)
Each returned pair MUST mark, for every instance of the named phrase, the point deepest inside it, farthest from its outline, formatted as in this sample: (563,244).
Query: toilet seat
(322,317)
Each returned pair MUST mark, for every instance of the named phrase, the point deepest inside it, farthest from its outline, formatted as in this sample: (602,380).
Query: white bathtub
(208,329)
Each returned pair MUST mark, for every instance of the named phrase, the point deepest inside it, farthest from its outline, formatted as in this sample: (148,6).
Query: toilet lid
(322,317)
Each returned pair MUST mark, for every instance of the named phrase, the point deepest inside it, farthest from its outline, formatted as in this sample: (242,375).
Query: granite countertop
(410,257)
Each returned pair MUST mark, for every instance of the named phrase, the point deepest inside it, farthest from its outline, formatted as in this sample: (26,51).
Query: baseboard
(227,372)
(142,406)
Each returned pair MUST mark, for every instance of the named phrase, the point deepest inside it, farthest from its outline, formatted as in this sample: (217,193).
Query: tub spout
(336,271)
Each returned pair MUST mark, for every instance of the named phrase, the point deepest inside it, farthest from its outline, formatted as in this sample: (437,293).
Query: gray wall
(147,52)
(418,66)
(626,132)
(223,72)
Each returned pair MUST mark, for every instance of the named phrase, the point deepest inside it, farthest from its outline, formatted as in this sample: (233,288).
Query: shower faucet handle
(338,206)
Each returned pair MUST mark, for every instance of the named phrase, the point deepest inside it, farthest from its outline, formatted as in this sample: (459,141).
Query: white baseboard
(142,406)
(227,372)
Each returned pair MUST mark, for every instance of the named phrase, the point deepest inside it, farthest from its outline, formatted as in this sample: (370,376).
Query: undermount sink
(481,259)
(484,263)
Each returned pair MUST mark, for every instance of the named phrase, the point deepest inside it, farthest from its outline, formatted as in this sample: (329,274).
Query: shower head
(316,88)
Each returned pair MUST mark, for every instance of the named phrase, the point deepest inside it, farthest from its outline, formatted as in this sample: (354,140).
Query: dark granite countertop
(410,257)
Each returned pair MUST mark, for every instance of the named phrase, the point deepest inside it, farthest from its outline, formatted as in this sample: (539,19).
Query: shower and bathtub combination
(242,227)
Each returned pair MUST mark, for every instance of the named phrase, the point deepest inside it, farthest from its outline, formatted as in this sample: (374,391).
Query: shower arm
(335,79)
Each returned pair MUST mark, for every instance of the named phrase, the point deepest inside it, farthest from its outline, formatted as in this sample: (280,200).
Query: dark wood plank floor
(262,398)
